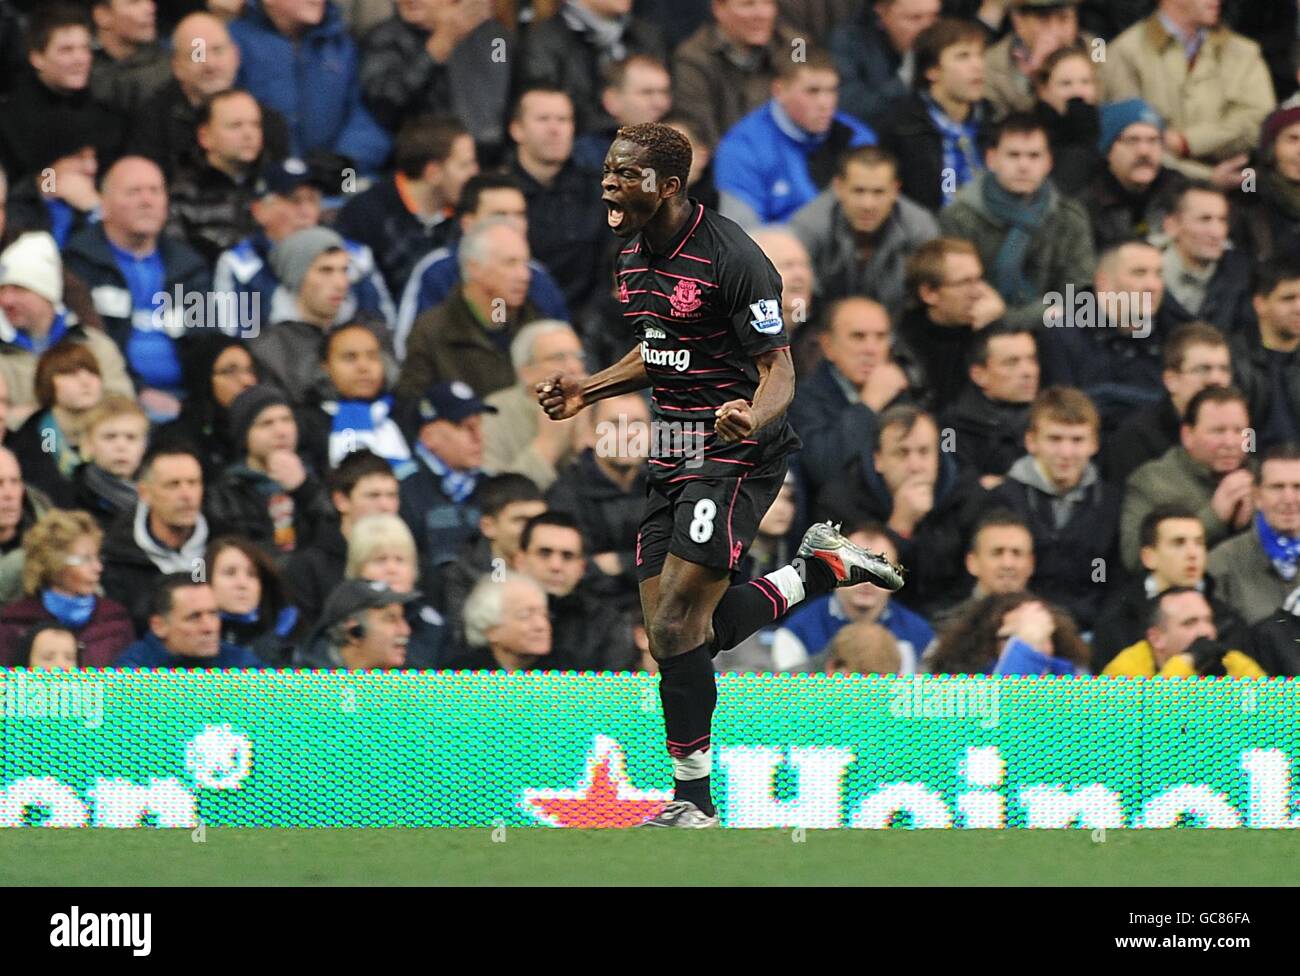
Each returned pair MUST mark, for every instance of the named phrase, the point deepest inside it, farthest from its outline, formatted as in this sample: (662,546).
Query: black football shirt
(702,311)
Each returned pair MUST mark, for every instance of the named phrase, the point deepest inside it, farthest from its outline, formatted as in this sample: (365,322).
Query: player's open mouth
(615,216)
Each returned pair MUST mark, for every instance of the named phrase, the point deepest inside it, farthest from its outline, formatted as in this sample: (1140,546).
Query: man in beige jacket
(1209,83)
(514,440)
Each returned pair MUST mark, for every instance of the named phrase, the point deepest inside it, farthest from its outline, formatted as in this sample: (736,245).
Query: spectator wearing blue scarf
(1033,239)
(185,631)
(936,132)
(438,495)
(61,576)
(255,610)
(353,410)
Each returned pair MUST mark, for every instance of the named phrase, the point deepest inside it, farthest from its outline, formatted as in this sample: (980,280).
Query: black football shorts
(710,521)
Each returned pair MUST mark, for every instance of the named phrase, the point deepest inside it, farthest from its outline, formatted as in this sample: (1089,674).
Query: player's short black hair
(1149,530)
(359,464)
(505,489)
(562,520)
(668,152)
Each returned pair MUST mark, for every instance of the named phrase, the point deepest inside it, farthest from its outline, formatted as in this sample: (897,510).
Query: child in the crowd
(114,437)
(49,647)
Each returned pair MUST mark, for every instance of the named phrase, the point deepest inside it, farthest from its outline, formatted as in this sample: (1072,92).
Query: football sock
(750,606)
(689,695)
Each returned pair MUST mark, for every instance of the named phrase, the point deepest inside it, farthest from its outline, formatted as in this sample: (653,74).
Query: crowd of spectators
(278,277)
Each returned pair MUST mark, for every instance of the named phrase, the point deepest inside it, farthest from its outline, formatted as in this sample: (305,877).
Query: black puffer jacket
(990,435)
(609,517)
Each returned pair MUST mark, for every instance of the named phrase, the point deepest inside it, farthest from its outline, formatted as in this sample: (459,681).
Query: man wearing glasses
(949,302)
(1196,355)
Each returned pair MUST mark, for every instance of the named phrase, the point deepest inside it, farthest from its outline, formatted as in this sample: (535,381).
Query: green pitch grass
(725,857)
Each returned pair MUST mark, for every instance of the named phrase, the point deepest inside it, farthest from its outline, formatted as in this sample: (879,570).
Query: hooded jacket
(314,82)
(1074,534)
(1059,252)
(766,167)
(133,560)
(244,270)
(832,246)
(933,555)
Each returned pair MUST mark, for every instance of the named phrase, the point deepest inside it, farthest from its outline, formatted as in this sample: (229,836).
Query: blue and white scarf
(1283,551)
(960,152)
(456,485)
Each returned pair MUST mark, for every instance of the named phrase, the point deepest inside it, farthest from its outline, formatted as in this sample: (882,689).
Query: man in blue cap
(1130,197)
(439,494)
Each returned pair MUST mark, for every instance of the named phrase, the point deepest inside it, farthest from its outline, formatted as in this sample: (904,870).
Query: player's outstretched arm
(737,419)
(564,396)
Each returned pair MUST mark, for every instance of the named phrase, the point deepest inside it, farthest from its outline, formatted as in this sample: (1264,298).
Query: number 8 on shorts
(702,522)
